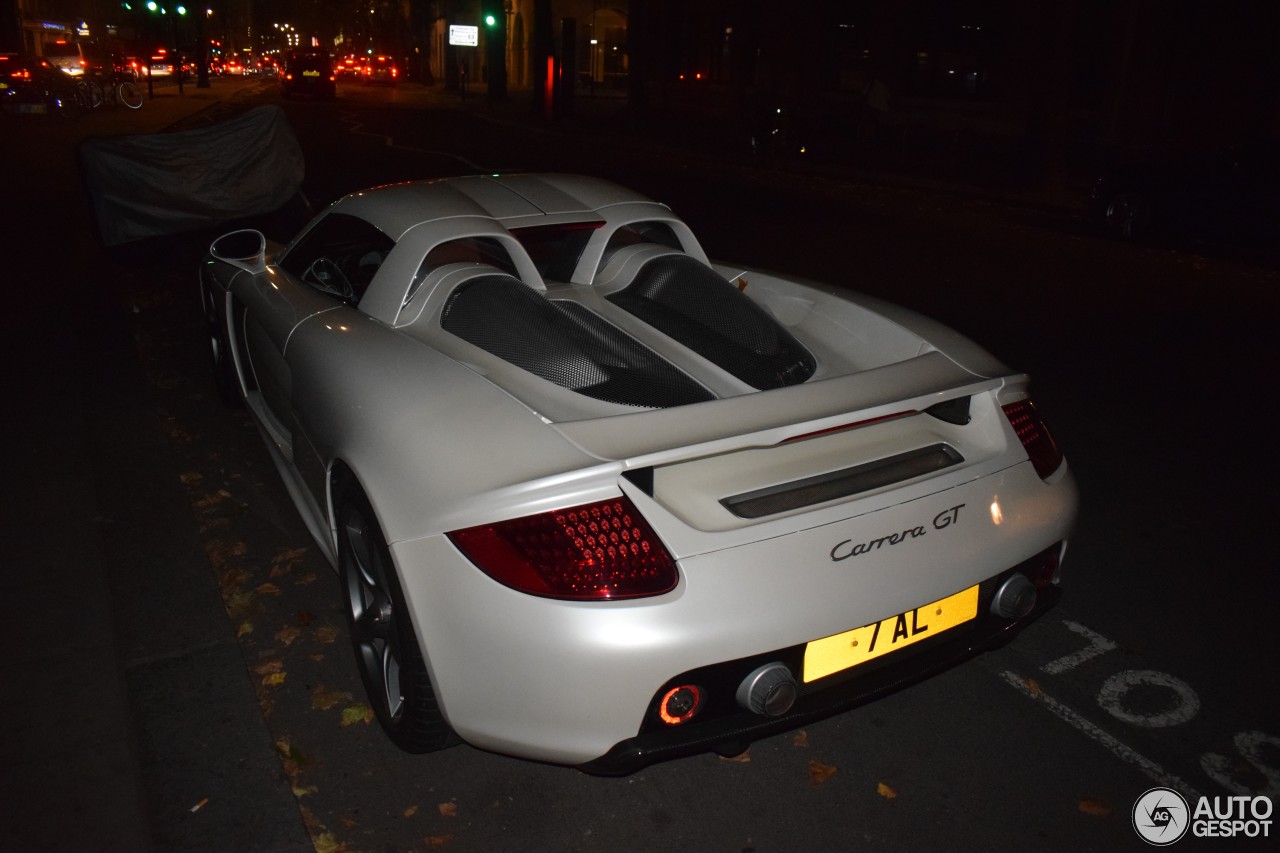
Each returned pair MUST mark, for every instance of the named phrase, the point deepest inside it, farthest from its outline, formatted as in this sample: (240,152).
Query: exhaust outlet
(770,690)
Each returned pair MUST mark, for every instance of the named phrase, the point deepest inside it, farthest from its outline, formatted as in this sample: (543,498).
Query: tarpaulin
(160,184)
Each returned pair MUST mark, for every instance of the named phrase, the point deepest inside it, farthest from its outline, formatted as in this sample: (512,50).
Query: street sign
(464,36)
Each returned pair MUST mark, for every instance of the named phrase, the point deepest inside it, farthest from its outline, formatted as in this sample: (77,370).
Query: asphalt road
(1152,364)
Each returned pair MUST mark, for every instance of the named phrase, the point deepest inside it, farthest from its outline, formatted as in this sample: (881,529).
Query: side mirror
(245,249)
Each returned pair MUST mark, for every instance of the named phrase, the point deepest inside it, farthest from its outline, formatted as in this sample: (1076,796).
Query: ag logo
(1161,816)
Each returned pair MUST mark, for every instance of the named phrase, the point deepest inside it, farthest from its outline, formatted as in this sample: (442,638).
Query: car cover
(159,184)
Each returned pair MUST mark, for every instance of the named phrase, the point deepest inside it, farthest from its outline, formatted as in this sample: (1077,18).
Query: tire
(386,648)
(221,358)
(129,94)
(1128,215)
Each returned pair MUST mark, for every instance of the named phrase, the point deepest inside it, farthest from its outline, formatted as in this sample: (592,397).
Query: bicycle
(91,92)
(125,90)
(116,88)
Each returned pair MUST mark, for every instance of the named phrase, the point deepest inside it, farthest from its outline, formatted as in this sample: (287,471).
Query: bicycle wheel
(129,94)
(93,94)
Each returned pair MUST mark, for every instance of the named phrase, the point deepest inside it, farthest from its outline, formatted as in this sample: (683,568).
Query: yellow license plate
(310,73)
(842,651)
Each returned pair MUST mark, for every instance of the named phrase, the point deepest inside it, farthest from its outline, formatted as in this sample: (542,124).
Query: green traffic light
(151,5)
(490,20)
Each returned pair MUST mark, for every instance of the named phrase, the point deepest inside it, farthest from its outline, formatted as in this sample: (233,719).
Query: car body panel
(732,602)
(887,478)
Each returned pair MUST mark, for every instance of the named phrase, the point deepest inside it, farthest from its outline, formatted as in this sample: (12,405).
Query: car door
(327,269)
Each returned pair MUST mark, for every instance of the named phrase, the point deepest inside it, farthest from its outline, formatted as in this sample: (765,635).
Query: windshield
(62,49)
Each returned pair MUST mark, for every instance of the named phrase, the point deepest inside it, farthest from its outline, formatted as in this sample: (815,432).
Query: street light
(181,11)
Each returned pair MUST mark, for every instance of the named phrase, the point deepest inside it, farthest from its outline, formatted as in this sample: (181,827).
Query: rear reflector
(1035,437)
(595,552)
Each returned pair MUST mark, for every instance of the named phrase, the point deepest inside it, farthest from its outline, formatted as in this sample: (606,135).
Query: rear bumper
(733,730)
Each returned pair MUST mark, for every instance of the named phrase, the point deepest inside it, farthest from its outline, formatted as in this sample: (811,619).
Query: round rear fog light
(679,704)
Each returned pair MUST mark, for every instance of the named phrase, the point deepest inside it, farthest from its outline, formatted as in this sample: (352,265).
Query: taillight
(600,551)
(1035,437)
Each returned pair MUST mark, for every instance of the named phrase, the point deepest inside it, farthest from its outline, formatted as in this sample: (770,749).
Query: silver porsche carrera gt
(597,500)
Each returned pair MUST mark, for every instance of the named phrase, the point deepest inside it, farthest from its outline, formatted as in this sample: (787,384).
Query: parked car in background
(308,72)
(66,54)
(351,67)
(381,69)
(598,500)
(32,84)
(1229,196)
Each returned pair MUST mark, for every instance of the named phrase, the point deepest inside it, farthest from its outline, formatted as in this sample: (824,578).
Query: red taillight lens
(1035,437)
(595,552)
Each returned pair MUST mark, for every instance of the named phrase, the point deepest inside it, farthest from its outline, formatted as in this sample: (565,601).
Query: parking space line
(1122,751)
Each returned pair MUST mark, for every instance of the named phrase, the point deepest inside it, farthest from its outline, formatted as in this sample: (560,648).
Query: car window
(339,256)
(472,250)
(555,249)
(659,233)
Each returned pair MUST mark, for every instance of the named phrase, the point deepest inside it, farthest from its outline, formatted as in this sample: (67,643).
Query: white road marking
(1184,709)
(1098,645)
(1122,751)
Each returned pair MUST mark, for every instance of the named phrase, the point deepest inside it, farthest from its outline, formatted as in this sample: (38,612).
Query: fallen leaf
(316,658)
(268,589)
(305,618)
(275,679)
(291,757)
(212,499)
(359,713)
(232,578)
(286,558)
(190,477)
(220,550)
(801,738)
(288,634)
(819,772)
(411,811)
(885,791)
(1033,687)
(299,791)
(448,809)
(322,698)
(305,579)
(326,843)
(238,603)
(271,666)
(743,757)
(245,628)
(326,634)
(1095,806)
(438,840)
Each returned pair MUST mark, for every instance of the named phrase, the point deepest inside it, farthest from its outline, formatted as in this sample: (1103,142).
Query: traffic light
(491,21)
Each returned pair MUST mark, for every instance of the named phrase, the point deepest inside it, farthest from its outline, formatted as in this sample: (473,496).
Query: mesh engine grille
(564,343)
(690,302)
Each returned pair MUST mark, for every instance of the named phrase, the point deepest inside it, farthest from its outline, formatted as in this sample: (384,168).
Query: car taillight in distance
(1035,437)
(602,551)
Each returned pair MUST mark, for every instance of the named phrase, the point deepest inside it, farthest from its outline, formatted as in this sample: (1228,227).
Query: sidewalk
(81,435)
